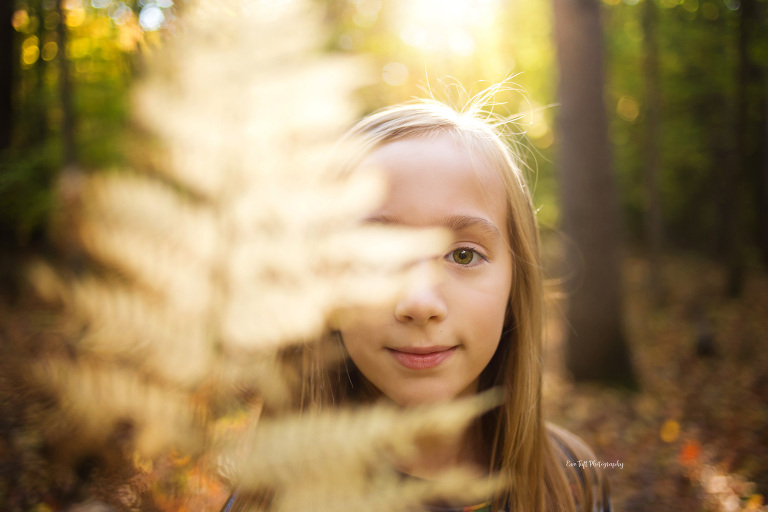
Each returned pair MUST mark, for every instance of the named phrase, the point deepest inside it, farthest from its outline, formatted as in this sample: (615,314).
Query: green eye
(463,256)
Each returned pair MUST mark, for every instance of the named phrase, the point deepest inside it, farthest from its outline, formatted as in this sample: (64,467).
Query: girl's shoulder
(583,470)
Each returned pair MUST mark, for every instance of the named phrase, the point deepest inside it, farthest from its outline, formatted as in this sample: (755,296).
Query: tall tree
(751,121)
(653,214)
(596,348)
(762,182)
(732,205)
(37,110)
(65,89)
(7,55)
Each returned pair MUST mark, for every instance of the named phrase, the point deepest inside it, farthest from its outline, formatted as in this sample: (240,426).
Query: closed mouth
(422,358)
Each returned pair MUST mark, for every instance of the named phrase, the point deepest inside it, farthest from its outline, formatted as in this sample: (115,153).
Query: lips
(422,358)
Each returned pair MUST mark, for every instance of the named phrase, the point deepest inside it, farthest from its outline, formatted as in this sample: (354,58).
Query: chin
(421,397)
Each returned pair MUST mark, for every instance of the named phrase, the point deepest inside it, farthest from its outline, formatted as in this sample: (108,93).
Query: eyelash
(450,257)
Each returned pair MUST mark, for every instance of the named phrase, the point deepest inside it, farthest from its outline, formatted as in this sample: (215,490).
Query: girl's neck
(436,454)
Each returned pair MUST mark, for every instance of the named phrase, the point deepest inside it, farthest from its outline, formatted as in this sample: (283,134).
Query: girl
(471,318)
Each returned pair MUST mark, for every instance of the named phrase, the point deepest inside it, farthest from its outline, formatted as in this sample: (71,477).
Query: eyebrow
(452,222)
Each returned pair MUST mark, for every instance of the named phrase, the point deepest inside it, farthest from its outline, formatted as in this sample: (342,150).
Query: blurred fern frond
(345,459)
(238,243)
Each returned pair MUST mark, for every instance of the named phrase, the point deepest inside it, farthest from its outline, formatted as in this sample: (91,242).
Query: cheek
(353,341)
(486,302)
(363,332)
(488,329)
(491,317)
(364,325)
(363,344)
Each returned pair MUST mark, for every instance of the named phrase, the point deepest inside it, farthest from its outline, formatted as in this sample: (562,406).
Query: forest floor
(694,438)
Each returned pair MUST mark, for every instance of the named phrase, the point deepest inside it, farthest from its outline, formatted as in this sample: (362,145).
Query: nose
(422,302)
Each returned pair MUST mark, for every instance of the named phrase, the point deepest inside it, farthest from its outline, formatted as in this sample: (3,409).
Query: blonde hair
(529,454)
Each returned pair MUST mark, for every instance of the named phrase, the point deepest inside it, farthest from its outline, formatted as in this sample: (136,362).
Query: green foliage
(26,189)
(424,45)
(101,54)
(698,60)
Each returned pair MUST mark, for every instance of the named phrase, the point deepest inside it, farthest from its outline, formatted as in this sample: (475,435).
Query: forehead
(438,176)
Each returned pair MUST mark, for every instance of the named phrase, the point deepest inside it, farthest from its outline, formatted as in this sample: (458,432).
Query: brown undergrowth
(695,437)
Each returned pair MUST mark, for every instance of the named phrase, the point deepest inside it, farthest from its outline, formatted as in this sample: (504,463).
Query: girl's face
(440,334)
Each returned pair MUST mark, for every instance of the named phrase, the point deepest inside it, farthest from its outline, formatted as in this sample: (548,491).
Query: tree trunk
(762,188)
(65,88)
(596,348)
(755,76)
(742,153)
(7,59)
(37,125)
(70,178)
(653,218)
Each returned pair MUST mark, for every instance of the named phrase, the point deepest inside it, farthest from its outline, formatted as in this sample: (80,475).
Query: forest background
(682,105)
